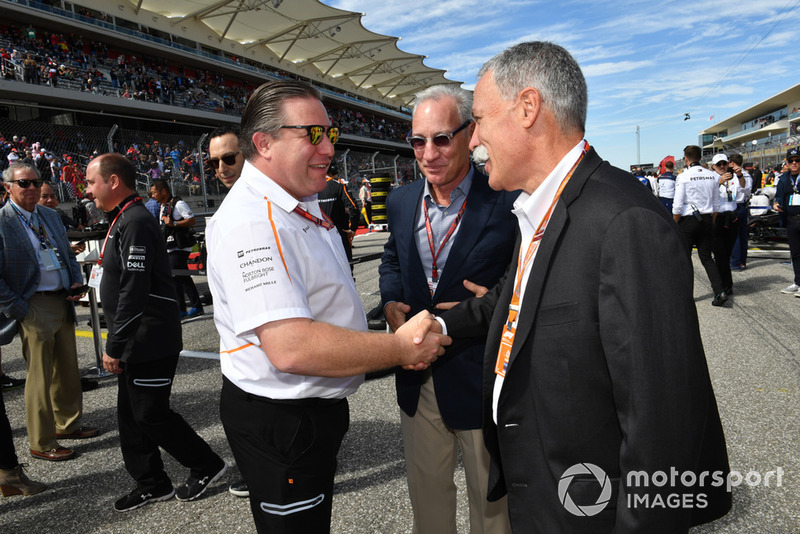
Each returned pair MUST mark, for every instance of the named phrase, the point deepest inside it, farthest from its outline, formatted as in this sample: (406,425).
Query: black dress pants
(793,235)
(179,260)
(146,422)
(8,456)
(701,234)
(726,229)
(286,451)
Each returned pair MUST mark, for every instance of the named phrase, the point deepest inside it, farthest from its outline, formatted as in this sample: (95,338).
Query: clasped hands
(424,325)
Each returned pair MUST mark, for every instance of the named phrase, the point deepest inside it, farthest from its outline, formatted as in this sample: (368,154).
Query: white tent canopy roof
(309,33)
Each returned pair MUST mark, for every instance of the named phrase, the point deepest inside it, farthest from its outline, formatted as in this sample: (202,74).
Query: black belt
(54,292)
(741,204)
(311,401)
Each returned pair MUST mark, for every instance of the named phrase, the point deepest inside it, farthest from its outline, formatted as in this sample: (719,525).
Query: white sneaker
(797,293)
(791,290)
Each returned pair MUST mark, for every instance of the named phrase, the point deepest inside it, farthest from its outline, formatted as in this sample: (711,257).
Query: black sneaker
(195,487)
(239,489)
(8,382)
(138,498)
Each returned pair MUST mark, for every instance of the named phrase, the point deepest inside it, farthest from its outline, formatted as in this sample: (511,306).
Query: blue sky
(646,63)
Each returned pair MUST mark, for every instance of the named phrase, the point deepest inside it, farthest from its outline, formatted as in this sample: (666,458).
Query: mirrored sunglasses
(315,132)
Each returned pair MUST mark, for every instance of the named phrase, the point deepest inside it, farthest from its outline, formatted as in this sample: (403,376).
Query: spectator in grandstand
(788,185)
(143,344)
(38,295)
(30,70)
(224,155)
(289,319)
(449,232)
(177,220)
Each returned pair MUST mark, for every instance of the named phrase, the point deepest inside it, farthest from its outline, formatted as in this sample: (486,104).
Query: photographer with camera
(177,220)
(695,207)
(726,225)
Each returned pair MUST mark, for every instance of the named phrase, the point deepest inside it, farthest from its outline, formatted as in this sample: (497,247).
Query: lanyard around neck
(40,232)
(114,222)
(325,222)
(429,231)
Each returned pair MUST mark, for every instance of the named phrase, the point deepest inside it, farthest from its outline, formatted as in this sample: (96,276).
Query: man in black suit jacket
(595,379)
(447,231)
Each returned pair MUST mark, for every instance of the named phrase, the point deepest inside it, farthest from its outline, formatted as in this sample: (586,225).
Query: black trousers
(146,422)
(8,456)
(701,234)
(793,234)
(286,452)
(178,259)
(726,229)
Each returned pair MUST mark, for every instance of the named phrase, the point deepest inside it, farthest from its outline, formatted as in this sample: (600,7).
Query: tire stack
(380,190)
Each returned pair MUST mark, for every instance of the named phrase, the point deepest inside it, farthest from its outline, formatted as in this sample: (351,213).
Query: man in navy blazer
(448,232)
(37,270)
(591,398)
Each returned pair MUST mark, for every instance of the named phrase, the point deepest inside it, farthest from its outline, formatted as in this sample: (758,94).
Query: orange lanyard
(510,327)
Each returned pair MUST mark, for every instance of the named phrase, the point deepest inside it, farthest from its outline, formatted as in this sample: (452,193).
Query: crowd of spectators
(74,62)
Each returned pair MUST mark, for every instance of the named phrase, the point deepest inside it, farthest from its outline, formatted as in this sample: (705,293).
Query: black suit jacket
(607,367)
(481,252)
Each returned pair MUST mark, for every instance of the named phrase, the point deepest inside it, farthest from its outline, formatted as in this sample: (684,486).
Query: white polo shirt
(267,263)
(696,187)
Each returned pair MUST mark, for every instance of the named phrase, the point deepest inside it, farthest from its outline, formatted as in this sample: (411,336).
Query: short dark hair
(669,165)
(737,159)
(224,130)
(265,111)
(159,184)
(114,163)
(693,153)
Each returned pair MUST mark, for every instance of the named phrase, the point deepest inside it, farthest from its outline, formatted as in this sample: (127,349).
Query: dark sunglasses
(228,160)
(441,140)
(794,160)
(25,184)
(315,132)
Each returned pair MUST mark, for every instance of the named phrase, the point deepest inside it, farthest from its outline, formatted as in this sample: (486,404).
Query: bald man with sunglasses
(288,314)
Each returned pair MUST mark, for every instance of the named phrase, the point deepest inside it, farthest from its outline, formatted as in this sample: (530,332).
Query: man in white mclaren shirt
(289,316)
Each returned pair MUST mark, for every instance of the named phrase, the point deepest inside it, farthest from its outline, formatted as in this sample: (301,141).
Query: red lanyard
(510,327)
(327,223)
(103,250)
(435,253)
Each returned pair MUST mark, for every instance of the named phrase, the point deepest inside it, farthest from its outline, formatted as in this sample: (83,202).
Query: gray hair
(265,111)
(549,69)
(462,98)
(8,174)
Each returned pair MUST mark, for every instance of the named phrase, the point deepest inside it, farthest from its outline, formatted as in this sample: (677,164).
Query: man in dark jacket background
(144,341)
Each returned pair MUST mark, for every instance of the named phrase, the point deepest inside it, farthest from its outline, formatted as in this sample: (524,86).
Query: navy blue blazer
(19,266)
(481,251)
